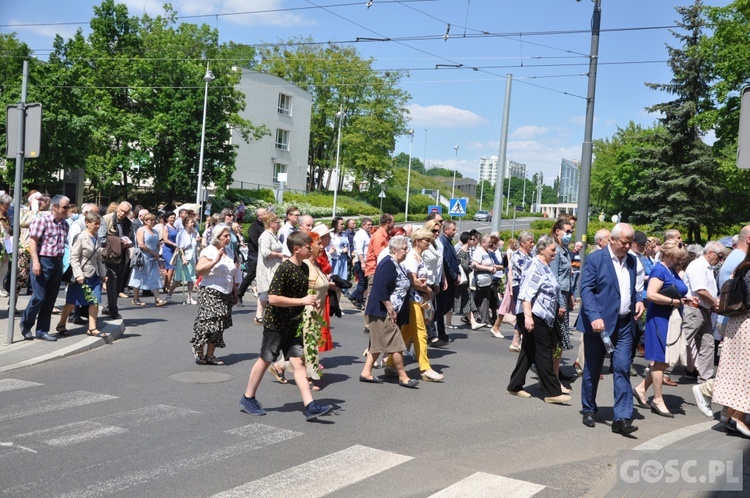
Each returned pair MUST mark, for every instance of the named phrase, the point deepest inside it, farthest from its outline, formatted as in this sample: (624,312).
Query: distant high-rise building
(570,173)
(488,169)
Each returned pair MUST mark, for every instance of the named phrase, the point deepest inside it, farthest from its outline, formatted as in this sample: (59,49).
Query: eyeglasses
(435,231)
(294,214)
(568,231)
(64,207)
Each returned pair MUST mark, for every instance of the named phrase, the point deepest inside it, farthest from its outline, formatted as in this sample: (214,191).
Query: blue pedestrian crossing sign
(457,207)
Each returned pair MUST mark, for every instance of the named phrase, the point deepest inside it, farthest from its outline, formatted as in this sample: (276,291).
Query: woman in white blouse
(270,256)
(218,293)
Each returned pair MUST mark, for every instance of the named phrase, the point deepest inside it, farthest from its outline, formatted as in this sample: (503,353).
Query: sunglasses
(435,231)
(64,207)
(568,231)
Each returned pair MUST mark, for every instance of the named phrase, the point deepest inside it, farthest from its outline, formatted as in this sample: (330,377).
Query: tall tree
(727,52)
(338,78)
(680,171)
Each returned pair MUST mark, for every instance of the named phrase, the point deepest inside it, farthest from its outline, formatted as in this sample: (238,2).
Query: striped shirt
(50,235)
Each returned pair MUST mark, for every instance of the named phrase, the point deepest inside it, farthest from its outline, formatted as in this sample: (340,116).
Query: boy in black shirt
(287,298)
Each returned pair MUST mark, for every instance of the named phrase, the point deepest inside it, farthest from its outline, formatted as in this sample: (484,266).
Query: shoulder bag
(732,296)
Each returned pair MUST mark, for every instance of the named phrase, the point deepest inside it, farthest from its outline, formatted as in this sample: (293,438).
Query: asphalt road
(139,418)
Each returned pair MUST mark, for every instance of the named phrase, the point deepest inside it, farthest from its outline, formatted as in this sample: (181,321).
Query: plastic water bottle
(607,342)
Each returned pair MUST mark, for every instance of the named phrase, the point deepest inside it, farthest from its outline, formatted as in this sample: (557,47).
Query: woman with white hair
(218,293)
(387,309)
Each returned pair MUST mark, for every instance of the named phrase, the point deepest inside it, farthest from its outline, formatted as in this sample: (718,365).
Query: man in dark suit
(452,276)
(610,302)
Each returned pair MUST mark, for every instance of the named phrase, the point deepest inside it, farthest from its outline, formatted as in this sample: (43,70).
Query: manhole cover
(200,377)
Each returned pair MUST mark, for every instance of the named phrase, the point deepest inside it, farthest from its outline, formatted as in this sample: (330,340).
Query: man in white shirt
(696,322)
(359,254)
(292,219)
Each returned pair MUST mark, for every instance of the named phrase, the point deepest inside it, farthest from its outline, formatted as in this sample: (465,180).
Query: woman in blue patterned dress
(146,277)
(339,251)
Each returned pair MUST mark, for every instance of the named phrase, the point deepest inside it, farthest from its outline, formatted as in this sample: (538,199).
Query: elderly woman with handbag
(218,293)
(89,273)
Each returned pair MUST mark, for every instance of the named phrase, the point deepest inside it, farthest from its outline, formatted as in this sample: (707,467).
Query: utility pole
(587,152)
(498,204)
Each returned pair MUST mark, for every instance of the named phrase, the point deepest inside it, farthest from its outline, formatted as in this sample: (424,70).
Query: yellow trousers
(415,333)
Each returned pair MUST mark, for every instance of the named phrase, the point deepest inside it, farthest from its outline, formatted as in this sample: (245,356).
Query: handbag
(483,279)
(670,291)
(138,260)
(463,274)
(732,296)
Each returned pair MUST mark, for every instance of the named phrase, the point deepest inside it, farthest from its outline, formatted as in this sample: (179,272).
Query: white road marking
(489,485)
(338,470)
(13,384)
(262,435)
(148,414)
(13,445)
(45,404)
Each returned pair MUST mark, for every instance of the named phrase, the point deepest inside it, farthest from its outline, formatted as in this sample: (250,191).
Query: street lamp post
(507,203)
(209,77)
(339,115)
(523,202)
(455,167)
(408,175)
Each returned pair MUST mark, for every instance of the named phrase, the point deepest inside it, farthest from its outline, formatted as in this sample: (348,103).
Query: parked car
(482,216)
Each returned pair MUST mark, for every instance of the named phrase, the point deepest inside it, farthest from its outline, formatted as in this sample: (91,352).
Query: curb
(114,329)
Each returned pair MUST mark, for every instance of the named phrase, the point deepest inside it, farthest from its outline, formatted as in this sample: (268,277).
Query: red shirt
(378,242)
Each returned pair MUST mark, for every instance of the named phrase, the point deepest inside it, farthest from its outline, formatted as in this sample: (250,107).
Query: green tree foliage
(402,161)
(338,78)
(617,172)
(679,174)
(440,171)
(126,104)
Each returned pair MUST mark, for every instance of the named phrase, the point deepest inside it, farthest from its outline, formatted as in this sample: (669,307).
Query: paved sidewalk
(693,440)
(23,353)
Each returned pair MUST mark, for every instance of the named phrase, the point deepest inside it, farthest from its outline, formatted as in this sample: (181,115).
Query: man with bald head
(117,225)
(306,223)
(610,304)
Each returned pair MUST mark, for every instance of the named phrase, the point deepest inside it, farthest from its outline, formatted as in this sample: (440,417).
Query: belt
(623,317)
(51,257)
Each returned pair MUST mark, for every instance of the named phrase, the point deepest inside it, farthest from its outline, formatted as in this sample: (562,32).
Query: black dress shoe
(116,316)
(623,426)
(730,426)
(438,343)
(588,420)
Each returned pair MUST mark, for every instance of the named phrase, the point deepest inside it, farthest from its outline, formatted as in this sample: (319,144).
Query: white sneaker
(702,402)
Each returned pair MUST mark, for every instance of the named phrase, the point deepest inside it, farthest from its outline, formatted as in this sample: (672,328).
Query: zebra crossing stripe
(13,384)
(340,469)
(55,402)
(259,436)
(489,485)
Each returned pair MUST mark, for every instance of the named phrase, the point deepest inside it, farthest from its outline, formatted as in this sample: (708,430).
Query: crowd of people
(637,294)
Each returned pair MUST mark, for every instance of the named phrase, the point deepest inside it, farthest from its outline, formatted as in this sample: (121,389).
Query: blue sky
(542,43)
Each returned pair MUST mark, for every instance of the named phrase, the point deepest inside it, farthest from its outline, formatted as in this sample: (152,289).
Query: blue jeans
(45,288)
(594,352)
(359,292)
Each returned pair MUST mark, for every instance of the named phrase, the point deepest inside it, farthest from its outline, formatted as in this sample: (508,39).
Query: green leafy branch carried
(89,295)
(310,328)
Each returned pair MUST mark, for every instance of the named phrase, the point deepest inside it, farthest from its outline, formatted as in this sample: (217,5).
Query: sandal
(138,302)
(258,320)
(200,359)
(313,387)
(61,330)
(160,302)
(95,333)
(213,360)
(276,375)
